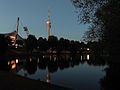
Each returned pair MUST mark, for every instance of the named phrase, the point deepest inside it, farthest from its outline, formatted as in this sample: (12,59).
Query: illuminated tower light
(48,24)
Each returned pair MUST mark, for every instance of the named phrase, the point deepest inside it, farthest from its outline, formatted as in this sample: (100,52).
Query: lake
(80,72)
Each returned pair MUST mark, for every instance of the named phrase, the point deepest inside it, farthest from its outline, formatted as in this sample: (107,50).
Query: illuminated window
(13,37)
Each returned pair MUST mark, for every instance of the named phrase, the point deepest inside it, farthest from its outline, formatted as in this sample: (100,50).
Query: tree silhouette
(53,41)
(111,80)
(104,17)
(42,44)
(66,44)
(31,43)
(31,65)
(61,45)
(3,44)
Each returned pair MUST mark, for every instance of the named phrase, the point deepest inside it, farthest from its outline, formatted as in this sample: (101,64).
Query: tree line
(103,17)
(53,44)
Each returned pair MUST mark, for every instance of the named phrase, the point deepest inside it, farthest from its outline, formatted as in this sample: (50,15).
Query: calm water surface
(80,72)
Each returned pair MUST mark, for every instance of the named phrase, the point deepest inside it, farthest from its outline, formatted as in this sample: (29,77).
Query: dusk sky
(34,14)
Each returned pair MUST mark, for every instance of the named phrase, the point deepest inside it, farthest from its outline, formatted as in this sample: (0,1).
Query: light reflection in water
(16,60)
(13,66)
(38,60)
(30,59)
(38,67)
(55,58)
(12,62)
(88,56)
(43,56)
(48,77)
(50,57)
(81,57)
(8,63)
(85,57)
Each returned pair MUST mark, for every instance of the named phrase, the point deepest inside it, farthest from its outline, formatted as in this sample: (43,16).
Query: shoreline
(16,82)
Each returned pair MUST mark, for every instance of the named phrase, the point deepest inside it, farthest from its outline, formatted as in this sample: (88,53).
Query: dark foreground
(10,81)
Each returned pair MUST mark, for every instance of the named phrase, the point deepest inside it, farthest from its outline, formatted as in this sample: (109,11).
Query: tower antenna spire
(48,14)
(48,23)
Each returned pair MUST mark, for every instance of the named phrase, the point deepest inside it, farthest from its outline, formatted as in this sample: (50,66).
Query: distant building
(16,39)
(13,35)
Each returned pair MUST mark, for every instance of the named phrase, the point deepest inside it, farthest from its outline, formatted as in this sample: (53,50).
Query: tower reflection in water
(50,63)
(48,77)
(44,67)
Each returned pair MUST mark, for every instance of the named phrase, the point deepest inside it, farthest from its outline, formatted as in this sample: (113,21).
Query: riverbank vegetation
(32,45)
(103,17)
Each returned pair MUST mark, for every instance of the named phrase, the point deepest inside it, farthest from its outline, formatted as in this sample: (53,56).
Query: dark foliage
(3,44)
(104,16)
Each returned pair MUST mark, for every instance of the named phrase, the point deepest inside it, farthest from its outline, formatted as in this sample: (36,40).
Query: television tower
(48,24)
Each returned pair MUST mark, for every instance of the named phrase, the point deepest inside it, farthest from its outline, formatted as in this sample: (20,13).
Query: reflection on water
(48,77)
(74,71)
(12,63)
(88,56)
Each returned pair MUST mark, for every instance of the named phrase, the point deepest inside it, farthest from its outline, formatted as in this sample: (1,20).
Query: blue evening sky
(34,14)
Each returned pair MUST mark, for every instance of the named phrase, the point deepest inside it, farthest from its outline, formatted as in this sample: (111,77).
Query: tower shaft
(48,33)
(48,24)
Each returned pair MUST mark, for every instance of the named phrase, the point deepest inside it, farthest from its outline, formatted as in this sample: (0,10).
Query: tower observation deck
(48,24)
